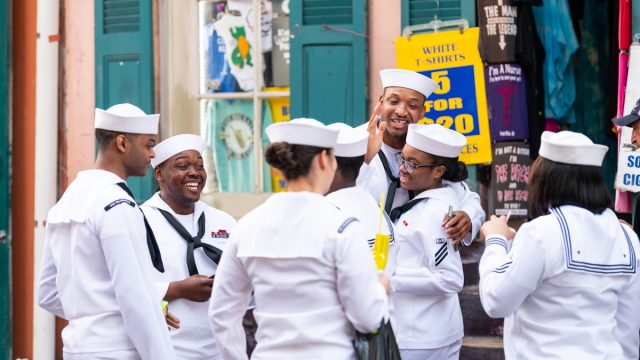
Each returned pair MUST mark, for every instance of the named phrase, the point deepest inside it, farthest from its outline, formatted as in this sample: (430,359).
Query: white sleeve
(162,287)
(229,299)
(47,289)
(470,204)
(506,279)
(441,274)
(364,300)
(627,316)
(141,311)
(365,174)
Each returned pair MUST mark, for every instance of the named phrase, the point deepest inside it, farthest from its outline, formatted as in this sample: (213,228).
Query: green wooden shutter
(416,12)
(124,64)
(5,203)
(328,66)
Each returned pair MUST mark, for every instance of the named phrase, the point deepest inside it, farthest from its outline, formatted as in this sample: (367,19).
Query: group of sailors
(566,282)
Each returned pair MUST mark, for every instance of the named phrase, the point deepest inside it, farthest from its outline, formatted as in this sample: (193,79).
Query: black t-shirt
(498,24)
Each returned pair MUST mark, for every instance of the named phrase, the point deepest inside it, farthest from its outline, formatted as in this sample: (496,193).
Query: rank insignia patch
(118,202)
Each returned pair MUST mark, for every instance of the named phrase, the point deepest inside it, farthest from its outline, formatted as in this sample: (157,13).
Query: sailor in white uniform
(353,200)
(97,257)
(567,283)
(313,278)
(191,236)
(402,104)
(427,318)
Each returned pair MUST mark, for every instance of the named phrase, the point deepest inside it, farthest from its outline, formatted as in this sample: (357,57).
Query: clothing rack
(435,25)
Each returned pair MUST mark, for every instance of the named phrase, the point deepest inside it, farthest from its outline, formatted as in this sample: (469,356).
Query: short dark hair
(349,167)
(553,184)
(292,160)
(455,170)
(105,137)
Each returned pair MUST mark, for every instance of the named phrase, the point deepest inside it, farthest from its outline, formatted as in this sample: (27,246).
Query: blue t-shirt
(555,29)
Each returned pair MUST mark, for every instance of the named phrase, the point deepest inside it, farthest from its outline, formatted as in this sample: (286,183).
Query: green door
(5,200)
(416,12)
(124,64)
(328,60)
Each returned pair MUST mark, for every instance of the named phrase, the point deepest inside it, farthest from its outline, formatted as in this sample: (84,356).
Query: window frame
(258,96)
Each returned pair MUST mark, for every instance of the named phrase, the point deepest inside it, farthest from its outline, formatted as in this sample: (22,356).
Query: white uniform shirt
(356,202)
(97,272)
(568,288)
(374,180)
(313,278)
(193,340)
(428,276)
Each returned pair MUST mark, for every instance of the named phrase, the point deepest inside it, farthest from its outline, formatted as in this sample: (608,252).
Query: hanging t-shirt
(245,7)
(498,30)
(239,53)
(218,72)
(530,54)
(229,132)
(507,102)
(560,43)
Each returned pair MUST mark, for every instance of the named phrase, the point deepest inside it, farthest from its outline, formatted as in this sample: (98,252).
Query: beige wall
(384,27)
(179,72)
(77,84)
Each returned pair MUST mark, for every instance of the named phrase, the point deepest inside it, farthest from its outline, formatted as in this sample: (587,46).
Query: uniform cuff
(495,239)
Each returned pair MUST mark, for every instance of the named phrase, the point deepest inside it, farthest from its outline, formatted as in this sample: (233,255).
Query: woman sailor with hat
(313,278)
(427,317)
(567,282)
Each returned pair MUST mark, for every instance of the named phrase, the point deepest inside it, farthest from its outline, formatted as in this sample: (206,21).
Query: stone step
(470,256)
(482,348)
(476,321)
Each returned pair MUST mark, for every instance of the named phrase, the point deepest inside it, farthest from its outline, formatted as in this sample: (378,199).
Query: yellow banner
(452,59)
(279,112)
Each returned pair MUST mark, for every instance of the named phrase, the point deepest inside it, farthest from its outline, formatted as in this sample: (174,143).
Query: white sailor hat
(126,118)
(408,79)
(436,140)
(175,145)
(351,142)
(570,147)
(303,131)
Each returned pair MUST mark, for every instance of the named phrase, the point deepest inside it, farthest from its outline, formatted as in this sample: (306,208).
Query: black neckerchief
(152,244)
(193,242)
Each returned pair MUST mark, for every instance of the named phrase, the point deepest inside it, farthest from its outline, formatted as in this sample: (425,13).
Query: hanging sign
(628,177)
(451,59)
(511,165)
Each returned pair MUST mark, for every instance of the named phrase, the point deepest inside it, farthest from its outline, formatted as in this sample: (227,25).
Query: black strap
(393,185)
(193,242)
(397,212)
(152,244)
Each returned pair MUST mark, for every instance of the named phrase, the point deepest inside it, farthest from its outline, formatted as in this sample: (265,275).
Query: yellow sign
(279,112)
(452,59)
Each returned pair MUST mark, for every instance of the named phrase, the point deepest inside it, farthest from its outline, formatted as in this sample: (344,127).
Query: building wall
(77,90)
(384,27)
(23,173)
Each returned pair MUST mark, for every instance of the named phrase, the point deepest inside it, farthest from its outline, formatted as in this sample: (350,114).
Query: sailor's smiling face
(182,177)
(401,107)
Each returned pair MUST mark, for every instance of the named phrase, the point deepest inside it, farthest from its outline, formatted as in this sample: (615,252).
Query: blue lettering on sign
(633,161)
(631,179)
(453,104)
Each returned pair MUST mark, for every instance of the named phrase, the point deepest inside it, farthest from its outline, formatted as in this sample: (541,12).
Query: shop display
(511,166)
(451,59)
(229,132)
(506,102)
(497,20)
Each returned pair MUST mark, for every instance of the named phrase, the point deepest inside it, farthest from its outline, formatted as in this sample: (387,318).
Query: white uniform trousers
(449,352)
